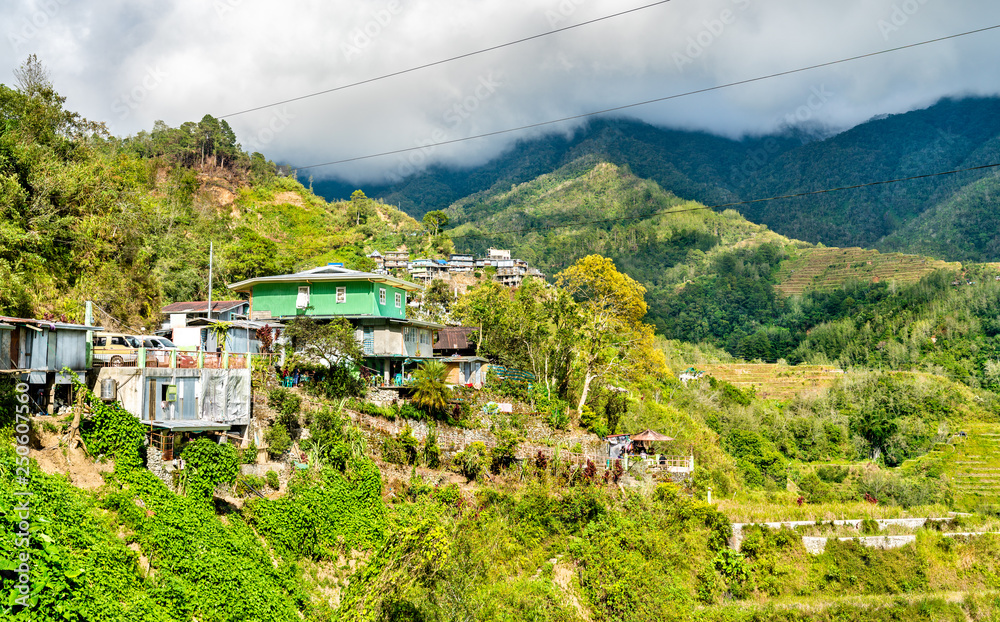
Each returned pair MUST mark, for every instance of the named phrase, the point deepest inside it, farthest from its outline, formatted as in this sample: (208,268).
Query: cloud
(132,63)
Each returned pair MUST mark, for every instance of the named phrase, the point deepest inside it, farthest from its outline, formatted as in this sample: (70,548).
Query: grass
(830,268)
(782,507)
(773,381)
(972,465)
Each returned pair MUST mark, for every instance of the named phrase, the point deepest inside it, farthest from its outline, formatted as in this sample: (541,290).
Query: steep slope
(589,206)
(712,170)
(129,223)
(966,226)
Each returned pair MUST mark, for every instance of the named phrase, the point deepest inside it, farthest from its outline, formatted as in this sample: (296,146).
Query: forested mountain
(696,166)
(128,223)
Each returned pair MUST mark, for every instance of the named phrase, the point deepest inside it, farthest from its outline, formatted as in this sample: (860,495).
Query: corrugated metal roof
(454,338)
(48,324)
(190,425)
(201,306)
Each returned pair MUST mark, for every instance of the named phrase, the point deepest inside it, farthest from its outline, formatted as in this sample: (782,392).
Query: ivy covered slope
(127,222)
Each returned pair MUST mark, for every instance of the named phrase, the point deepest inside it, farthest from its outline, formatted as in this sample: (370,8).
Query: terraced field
(773,381)
(973,465)
(829,268)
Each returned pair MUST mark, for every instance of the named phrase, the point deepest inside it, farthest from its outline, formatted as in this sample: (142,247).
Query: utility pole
(210,249)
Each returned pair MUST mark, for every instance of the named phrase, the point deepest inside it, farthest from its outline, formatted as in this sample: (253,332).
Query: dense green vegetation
(88,216)
(948,217)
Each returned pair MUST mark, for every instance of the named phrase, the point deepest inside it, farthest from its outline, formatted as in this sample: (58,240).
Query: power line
(669,211)
(445,60)
(648,101)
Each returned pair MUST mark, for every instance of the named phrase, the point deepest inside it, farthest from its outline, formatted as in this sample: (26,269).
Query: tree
(361,207)
(332,343)
(612,307)
(430,390)
(435,221)
(252,256)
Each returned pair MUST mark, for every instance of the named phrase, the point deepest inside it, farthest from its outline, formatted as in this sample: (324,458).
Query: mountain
(949,135)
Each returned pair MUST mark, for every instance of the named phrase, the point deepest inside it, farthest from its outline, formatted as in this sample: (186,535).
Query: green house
(374,303)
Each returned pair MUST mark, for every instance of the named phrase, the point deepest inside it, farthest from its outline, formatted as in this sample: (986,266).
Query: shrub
(392,451)
(832,474)
(285,402)
(504,454)
(448,495)
(278,440)
(272,480)
(471,462)
(431,452)
(250,453)
(410,446)
(209,464)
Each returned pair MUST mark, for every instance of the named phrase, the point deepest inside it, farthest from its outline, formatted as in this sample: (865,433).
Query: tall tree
(612,307)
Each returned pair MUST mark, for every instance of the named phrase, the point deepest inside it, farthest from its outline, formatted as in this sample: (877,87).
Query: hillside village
(224,397)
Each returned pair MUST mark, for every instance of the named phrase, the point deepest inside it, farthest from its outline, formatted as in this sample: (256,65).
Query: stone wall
(156,466)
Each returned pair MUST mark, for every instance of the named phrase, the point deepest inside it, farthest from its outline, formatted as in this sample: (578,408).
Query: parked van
(157,350)
(115,349)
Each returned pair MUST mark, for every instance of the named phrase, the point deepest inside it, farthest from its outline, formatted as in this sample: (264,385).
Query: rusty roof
(201,306)
(454,338)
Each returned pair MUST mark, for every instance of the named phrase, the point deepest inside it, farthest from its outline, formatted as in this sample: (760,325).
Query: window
(425,337)
(302,300)
(100,341)
(341,295)
(399,300)
(409,334)
(381,296)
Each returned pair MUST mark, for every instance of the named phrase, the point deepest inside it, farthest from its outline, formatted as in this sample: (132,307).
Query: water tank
(109,389)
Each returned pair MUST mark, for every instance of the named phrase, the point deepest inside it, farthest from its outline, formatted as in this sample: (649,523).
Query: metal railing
(183,359)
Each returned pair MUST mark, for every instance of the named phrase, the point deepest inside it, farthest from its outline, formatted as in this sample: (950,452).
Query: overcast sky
(131,62)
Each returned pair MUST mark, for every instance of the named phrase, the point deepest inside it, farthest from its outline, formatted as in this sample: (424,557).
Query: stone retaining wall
(909,523)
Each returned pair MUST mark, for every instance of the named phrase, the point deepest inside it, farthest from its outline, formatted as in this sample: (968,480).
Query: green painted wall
(389,309)
(362,299)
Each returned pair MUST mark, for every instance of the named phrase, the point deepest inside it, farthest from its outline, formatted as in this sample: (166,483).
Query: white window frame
(341,295)
(300,301)
(399,300)
(381,295)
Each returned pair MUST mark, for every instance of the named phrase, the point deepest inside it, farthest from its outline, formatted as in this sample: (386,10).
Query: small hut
(642,442)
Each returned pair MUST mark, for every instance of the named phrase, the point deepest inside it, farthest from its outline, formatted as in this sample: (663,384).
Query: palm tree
(429,388)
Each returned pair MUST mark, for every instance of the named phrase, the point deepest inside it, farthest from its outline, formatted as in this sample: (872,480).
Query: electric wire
(648,101)
(445,60)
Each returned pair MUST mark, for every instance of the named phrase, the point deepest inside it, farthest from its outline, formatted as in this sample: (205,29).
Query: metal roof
(201,306)
(465,359)
(454,338)
(189,425)
(47,324)
(327,273)
(6,327)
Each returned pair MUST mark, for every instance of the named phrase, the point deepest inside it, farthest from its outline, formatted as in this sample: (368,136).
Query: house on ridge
(375,304)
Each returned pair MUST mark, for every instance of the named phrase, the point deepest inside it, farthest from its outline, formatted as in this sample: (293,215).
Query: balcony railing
(184,359)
